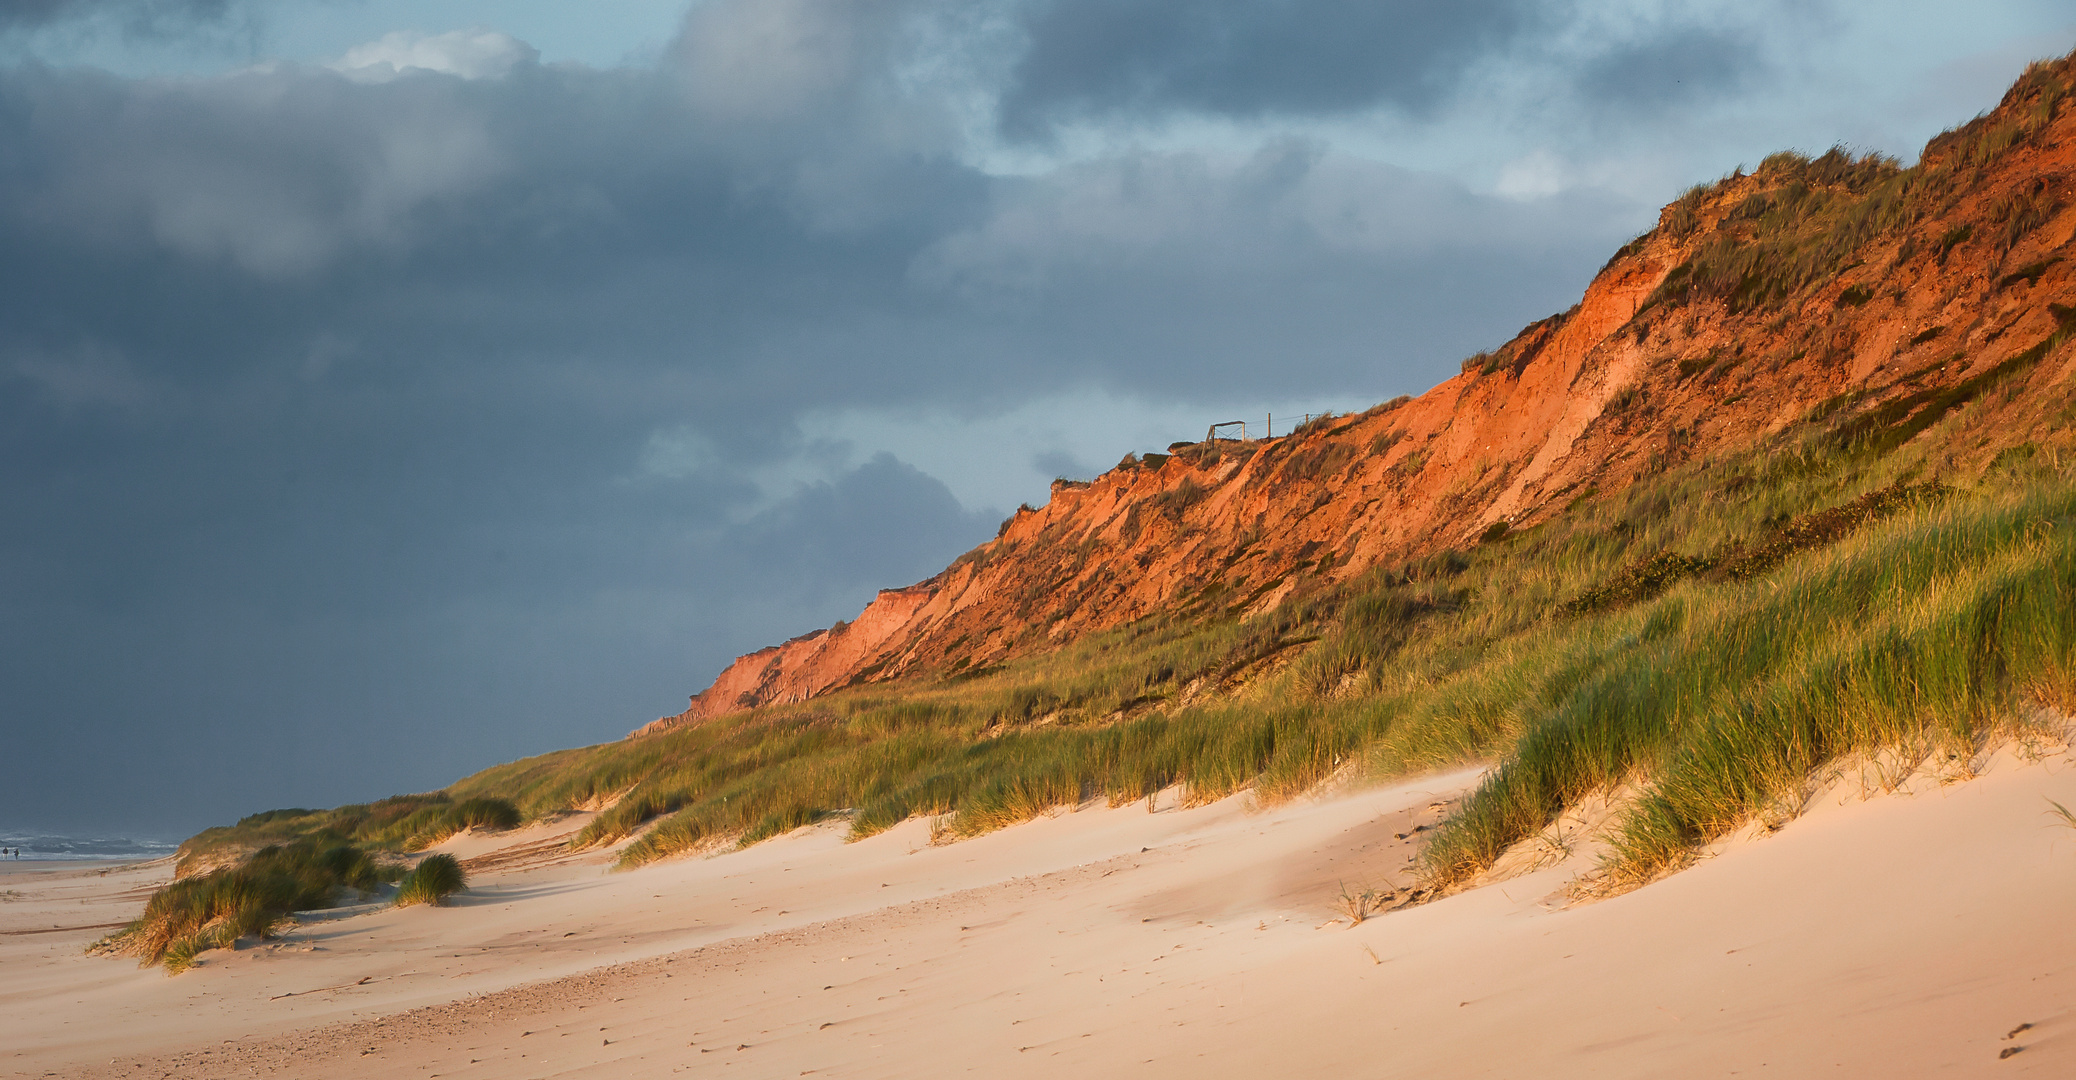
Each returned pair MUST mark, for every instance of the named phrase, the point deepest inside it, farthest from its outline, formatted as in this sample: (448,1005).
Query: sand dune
(1902,934)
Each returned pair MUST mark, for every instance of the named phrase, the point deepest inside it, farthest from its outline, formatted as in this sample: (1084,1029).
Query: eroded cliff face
(1876,302)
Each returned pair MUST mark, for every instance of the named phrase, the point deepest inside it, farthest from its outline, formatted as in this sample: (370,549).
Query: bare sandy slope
(1902,935)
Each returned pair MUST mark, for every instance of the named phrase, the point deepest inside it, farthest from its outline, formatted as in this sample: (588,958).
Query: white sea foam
(48,845)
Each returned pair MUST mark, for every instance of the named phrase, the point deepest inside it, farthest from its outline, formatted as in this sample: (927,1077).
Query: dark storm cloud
(135,712)
(819,534)
(389,427)
(1683,64)
(147,17)
(1092,59)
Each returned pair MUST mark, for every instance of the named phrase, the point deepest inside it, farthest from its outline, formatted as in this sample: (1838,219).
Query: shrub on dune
(438,822)
(253,899)
(432,881)
(485,814)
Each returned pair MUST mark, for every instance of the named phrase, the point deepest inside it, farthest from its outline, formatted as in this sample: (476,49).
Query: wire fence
(1223,429)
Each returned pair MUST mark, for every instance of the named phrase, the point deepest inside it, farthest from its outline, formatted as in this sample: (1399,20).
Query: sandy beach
(1905,934)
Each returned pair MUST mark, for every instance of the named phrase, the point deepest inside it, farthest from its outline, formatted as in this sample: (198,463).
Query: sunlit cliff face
(1844,292)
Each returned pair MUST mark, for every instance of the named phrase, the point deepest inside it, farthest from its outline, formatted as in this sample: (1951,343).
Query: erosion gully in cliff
(1850,291)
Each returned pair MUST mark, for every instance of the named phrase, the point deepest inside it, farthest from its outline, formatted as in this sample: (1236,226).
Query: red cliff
(1871,300)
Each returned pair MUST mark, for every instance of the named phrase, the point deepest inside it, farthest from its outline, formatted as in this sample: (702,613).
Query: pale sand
(1902,935)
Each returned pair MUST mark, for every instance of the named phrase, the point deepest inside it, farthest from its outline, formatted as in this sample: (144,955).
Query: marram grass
(1934,631)
(398,823)
(253,899)
(432,881)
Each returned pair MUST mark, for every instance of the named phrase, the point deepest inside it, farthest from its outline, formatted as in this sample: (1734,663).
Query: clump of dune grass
(1357,904)
(1933,630)
(432,881)
(398,823)
(253,899)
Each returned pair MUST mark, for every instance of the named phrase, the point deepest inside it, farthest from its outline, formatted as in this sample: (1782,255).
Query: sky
(388,390)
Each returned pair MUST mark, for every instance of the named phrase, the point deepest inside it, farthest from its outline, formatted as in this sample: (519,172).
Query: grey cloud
(124,705)
(862,528)
(1093,59)
(1682,64)
(766,61)
(1171,272)
(278,172)
(1064,465)
(141,17)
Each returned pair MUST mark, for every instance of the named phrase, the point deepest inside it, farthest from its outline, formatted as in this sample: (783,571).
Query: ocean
(44,845)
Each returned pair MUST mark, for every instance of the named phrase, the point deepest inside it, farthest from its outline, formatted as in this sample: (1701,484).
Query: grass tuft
(1359,903)
(253,899)
(432,881)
